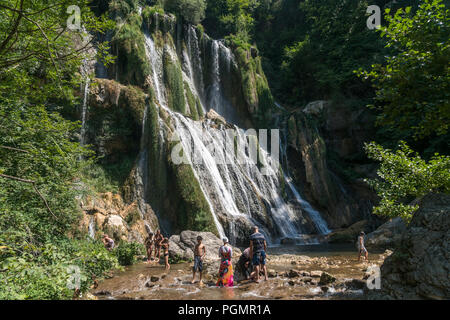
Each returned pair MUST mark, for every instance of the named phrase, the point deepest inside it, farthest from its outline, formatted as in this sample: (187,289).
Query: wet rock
(293,273)
(316,274)
(272,273)
(287,241)
(355,284)
(324,288)
(154,278)
(326,278)
(316,107)
(307,279)
(102,293)
(348,235)
(214,116)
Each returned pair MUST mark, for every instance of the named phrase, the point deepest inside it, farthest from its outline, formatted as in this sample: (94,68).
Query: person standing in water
(199,255)
(361,248)
(244,264)
(165,247)
(149,243)
(157,242)
(258,247)
(226,267)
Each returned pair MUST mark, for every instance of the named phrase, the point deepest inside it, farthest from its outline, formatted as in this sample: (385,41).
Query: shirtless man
(199,255)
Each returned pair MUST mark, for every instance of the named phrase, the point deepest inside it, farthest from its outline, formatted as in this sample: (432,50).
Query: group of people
(154,243)
(251,262)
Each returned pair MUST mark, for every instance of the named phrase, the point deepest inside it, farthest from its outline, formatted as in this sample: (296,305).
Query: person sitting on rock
(361,248)
(108,242)
(149,243)
(244,264)
(165,246)
(258,247)
(157,242)
(199,255)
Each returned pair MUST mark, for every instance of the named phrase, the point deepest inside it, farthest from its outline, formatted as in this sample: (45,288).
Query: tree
(192,11)
(404,176)
(413,86)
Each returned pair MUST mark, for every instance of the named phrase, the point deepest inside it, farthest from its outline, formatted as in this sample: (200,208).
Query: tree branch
(13,149)
(32,182)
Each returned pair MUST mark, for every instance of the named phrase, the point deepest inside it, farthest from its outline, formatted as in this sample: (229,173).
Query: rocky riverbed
(293,274)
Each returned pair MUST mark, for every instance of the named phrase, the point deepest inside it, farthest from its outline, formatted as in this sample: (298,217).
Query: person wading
(361,248)
(149,243)
(226,267)
(258,247)
(157,242)
(165,247)
(199,255)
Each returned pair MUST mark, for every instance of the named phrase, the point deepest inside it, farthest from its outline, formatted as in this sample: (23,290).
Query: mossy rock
(128,44)
(173,80)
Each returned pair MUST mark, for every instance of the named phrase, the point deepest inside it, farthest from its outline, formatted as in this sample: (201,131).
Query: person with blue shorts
(258,247)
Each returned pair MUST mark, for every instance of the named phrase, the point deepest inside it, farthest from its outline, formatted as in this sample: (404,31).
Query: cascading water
(84,106)
(237,191)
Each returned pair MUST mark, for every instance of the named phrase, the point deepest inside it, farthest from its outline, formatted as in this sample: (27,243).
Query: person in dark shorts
(165,247)
(158,242)
(244,264)
(258,248)
(199,255)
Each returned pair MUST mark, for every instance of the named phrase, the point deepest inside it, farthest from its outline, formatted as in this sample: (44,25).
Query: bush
(404,177)
(126,252)
(54,270)
(192,11)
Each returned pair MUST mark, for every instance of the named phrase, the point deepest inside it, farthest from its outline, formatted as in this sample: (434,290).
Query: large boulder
(387,235)
(420,265)
(348,235)
(181,247)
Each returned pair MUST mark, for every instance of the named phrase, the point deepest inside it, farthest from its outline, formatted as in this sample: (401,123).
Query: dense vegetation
(43,255)
(310,51)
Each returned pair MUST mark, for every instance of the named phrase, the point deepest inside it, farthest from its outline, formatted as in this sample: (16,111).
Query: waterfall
(91,228)
(84,107)
(239,191)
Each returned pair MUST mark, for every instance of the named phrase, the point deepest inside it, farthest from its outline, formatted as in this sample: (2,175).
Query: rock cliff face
(108,213)
(325,141)
(419,268)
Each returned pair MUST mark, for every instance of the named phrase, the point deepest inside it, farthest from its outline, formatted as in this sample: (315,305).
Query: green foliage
(192,11)
(231,17)
(126,252)
(128,43)
(40,163)
(413,86)
(404,177)
(44,272)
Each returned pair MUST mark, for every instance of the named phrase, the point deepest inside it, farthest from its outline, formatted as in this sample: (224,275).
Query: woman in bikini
(165,246)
